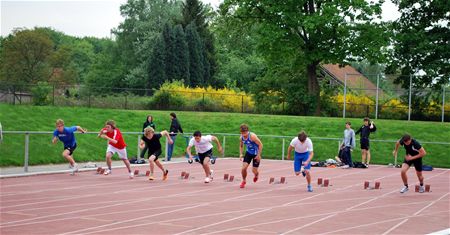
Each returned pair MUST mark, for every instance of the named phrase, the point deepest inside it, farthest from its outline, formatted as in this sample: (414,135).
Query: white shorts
(121,152)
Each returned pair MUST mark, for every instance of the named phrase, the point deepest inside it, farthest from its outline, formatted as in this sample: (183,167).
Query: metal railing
(188,135)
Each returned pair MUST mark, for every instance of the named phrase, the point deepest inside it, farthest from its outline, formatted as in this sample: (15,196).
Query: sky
(85,17)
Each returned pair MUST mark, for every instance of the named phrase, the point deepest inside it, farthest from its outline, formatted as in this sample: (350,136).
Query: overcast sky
(84,17)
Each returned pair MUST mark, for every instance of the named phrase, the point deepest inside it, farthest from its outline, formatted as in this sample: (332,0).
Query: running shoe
(404,189)
(255,178)
(242,184)
(421,189)
(207,180)
(151,177)
(309,188)
(131,175)
(107,172)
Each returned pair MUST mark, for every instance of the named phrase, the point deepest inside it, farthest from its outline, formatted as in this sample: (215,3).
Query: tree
(422,43)
(196,58)
(25,55)
(180,53)
(157,65)
(193,11)
(318,31)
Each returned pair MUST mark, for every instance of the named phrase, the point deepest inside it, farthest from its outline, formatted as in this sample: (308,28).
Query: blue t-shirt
(67,136)
(252,147)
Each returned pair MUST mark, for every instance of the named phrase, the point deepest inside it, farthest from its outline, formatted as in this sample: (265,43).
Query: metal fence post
(376,100)
(138,153)
(409,98)
(282,150)
(345,94)
(167,148)
(27,142)
(223,147)
(443,103)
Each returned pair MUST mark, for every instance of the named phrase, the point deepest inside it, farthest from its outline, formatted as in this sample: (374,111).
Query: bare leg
(368,156)
(206,167)
(363,155)
(127,163)
(160,166)
(151,161)
(405,168)
(244,171)
(308,177)
(255,171)
(108,159)
(420,177)
(68,157)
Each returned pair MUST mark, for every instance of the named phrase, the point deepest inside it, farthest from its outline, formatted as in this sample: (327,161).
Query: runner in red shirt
(116,144)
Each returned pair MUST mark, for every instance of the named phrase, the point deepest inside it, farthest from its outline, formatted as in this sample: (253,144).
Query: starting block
(427,188)
(100,171)
(281,181)
(323,182)
(228,178)
(367,185)
(184,175)
(136,173)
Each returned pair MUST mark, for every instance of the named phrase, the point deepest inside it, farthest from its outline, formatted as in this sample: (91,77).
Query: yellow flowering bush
(222,99)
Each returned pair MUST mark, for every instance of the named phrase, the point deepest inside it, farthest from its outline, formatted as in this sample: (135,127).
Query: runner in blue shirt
(66,135)
(253,153)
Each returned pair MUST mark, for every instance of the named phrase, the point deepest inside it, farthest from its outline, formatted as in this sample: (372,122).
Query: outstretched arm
(80,129)
(219,147)
(289,152)
(166,134)
(397,144)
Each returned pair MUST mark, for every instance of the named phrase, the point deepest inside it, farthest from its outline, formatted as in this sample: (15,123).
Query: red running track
(95,204)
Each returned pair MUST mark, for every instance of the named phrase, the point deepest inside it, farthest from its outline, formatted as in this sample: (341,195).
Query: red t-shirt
(116,135)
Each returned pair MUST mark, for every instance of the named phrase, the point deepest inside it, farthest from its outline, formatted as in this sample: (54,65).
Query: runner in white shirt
(303,154)
(203,147)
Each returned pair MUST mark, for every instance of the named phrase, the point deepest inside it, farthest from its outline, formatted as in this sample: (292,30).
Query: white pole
(376,101)
(282,150)
(138,157)
(345,94)
(409,99)
(223,147)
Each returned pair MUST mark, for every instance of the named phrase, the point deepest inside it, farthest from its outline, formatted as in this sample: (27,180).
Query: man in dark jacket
(175,127)
(364,132)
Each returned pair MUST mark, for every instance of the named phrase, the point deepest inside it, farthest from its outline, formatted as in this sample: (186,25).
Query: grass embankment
(90,148)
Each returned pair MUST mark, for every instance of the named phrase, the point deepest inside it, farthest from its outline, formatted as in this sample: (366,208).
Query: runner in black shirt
(150,140)
(364,132)
(414,154)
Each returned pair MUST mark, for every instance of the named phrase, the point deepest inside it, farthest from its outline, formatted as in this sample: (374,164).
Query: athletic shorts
(157,153)
(299,158)
(202,156)
(364,143)
(417,163)
(121,152)
(71,149)
(248,158)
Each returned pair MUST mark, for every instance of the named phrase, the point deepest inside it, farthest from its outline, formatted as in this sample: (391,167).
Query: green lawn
(90,148)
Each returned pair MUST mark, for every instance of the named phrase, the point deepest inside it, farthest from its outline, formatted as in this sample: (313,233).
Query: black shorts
(417,163)
(248,158)
(71,149)
(364,143)
(202,156)
(156,153)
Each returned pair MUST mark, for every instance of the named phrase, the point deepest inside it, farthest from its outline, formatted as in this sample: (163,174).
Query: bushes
(40,93)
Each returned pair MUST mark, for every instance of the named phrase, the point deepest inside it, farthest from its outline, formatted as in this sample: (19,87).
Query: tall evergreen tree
(195,11)
(157,66)
(169,57)
(196,59)
(180,54)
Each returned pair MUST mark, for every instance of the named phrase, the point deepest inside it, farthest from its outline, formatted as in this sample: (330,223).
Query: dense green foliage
(90,148)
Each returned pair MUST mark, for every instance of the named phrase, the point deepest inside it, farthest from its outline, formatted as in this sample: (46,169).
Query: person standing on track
(116,144)
(414,154)
(364,132)
(150,140)
(66,135)
(253,153)
(302,157)
(203,147)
